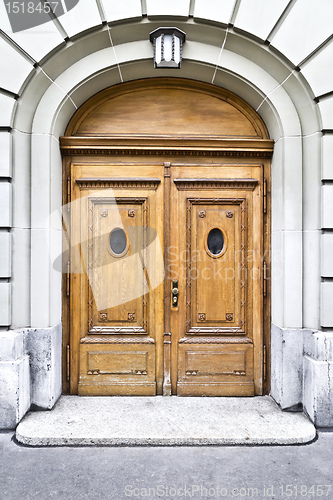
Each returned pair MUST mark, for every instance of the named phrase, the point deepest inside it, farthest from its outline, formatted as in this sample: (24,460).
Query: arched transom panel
(167,107)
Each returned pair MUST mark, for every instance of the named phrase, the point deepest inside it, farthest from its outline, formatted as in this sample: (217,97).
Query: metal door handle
(175,293)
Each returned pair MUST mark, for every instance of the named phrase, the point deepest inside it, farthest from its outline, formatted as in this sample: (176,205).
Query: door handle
(175,293)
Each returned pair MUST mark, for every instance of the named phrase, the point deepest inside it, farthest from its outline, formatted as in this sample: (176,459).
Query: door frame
(92,149)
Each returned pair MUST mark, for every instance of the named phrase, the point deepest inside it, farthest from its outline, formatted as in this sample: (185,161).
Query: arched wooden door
(167,224)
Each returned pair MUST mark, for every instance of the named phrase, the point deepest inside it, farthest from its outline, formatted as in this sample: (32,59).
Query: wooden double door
(167,278)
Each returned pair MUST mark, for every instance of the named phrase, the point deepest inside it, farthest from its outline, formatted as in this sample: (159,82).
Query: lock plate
(175,293)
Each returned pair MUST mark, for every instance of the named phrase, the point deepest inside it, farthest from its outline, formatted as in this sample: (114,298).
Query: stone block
(21,167)
(14,68)
(259,18)
(319,71)
(36,41)
(327,156)
(293,38)
(83,16)
(6,154)
(47,109)
(5,204)
(307,109)
(327,255)
(292,192)
(6,105)
(311,174)
(282,104)
(318,345)
(44,347)
(287,367)
(11,345)
(326,309)
(40,180)
(116,11)
(277,278)
(14,379)
(40,278)
(311,281)
(293,279)
(21,314)
(326,110)
(5,301)
(14,391)
(318,391)
(39,41)
(327,206)
(173,8)
(5,254)
(24,115)
(214,10)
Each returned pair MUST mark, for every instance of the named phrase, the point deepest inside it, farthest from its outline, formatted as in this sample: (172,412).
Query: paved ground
(231,472)
(158,420)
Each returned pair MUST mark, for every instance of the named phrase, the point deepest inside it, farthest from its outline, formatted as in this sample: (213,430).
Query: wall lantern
(168,44)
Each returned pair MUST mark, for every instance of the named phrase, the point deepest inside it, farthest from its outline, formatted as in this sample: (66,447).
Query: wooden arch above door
(192,162)
(170,107)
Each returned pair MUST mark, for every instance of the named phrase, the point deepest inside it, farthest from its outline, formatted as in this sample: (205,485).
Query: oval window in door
(215,242)
(118,241)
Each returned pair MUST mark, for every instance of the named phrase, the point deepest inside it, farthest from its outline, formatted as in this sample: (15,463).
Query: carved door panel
(117,280)
(215,255)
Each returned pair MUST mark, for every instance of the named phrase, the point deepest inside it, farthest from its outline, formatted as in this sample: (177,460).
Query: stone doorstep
(164,421)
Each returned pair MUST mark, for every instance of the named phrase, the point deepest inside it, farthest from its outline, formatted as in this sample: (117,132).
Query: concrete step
(164,421)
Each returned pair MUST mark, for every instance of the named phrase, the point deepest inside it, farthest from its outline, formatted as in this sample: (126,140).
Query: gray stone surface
(164,421)
(14,380)
(113,473)
(317,378)
(44,348)
(287,366)
(11,345)
(14,391)
(318,391)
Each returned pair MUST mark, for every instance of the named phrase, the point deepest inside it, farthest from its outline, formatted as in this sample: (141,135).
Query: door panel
(116,319)
(127,335)
(216,345)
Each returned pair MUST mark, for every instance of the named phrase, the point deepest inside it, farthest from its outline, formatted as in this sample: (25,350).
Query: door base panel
(98,389)
(226,389)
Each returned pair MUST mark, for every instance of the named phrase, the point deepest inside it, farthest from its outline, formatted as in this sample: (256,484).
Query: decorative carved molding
(104,372)
(154,145)
(193,202)
(215,340)
(208,330)
(114,182)
(114,340)
(191,372)
(94,205)
(73,151)
(184,184)
(118,330)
